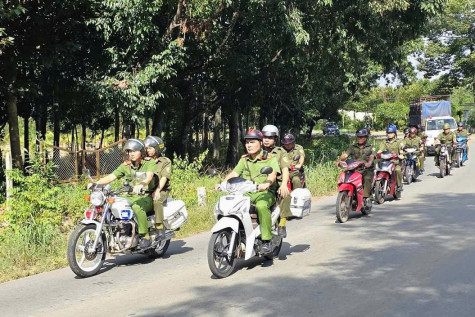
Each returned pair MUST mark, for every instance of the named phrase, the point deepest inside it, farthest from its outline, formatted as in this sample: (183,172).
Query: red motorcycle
(384,180)
(350,191)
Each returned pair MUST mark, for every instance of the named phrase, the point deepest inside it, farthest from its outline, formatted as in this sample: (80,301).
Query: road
(412,257)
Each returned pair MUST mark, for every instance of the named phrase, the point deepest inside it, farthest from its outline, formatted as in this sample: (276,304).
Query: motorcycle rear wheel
(160,250)
(343,203)
(78,256)
(220,265)
(379,196)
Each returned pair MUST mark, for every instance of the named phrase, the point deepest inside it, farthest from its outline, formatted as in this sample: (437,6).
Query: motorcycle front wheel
(82,261)
(343,205)
(459,159)
(379,195)
(408,173)
(442,168)
(160,250)
(220,263)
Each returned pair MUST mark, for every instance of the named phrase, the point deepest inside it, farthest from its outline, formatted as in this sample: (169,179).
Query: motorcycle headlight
(97,198)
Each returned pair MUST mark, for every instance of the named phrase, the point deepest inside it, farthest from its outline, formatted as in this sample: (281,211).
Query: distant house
(355,115)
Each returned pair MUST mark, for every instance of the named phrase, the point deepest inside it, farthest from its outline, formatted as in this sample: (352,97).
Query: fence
(69,164)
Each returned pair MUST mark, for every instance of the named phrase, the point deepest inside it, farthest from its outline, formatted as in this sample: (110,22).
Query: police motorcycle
(461,150)
(445,162)
(237,233)
(384,180)
(110,226)
(411,163)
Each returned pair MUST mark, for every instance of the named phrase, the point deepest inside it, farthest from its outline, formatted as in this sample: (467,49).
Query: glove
(401,157)
(137,189)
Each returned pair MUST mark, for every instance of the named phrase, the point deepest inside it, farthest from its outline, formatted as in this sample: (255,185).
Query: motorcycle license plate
(126,214)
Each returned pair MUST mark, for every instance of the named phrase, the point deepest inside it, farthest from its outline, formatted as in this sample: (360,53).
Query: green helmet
(446,126)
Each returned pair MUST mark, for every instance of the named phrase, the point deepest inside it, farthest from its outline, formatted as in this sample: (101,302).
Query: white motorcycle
(110,226)
(237,233)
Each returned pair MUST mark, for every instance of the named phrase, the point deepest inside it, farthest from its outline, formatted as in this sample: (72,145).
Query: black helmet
(362,133)
(460,124)
(134,145)
(406,130)
(288,139)
(253,134)
(419,127)
(155,142)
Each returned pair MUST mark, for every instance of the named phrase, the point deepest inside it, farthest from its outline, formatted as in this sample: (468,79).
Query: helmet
(460,124)
(391,129)
(288,139)
(155,142)
(413,130)
(419,127)
(253,134)
(446,126)
(270,130)
(362,133)
(134,145)
(406,130)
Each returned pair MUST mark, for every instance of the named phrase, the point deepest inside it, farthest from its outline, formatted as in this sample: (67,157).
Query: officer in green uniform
(270,136)
(362,151)
(392,144)
(463,132)
(163,169)
(296,166)
(445,137)
(414,141)
(423,137)
(139,173)
(249,167)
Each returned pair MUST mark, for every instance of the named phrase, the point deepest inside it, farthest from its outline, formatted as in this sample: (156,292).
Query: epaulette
(148,158)
(245,155)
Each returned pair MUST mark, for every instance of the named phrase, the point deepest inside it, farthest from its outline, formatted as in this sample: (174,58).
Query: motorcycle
(350,191)
(411,163)
(384,180)
(237,233)
(445,161)
(461,150)
(110,226)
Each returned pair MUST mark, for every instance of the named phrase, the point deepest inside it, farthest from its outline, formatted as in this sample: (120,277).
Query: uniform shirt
(393,145)
(464,132)
(279,154)
(446,138)
(128,171)
(250,169)
(298,149)
(163,168)
(413,142)
(363,154)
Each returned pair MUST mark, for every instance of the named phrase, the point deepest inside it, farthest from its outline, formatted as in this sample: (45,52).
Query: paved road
(412,257)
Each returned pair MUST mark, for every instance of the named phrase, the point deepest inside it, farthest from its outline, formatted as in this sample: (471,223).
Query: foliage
(391,112)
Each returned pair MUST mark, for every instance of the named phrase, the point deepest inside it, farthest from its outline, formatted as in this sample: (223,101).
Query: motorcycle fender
(382,175)
(359,199)
(226,222)
(98,224)
(350,188)
(88,222)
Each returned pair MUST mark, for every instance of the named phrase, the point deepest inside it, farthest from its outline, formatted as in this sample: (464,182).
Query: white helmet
(270,130)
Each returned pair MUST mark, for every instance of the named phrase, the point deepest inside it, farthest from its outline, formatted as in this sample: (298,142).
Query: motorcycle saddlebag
(174,214)
(300,202)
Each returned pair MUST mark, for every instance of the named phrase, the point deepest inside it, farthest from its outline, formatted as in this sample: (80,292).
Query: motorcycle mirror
(126,183)
(266,170)
(86,171)
(296,157)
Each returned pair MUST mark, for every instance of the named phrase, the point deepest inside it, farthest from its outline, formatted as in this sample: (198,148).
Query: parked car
(330,128)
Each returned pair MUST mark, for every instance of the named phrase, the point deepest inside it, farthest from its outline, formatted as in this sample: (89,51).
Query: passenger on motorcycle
(414,141)
(249,167)
(446,137)
(423,137)
(135,150)
(292,150)
(392,144)
(270,136)
(163,168)
(362,151)
(406,133)
(463,132)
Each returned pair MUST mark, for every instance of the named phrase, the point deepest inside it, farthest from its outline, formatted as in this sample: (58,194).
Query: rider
(463,132)
(292,150)
(141,204)
(406,133)
(446,137)
(163,168)
(249,167)
(413,140)
(362,151)
(270,136)
(423,137)
(392,144)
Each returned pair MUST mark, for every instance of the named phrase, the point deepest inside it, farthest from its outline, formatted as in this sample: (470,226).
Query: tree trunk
(56,133)
(116,124)
(83,139)
(216,133)
(232,156)
(147,126)
(13,128)
(205,144)
(158,122)
(72,139)
(128,129)
(26,139)
(102,138)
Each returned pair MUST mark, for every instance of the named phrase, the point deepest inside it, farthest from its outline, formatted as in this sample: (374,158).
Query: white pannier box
(300,202)
(174,214)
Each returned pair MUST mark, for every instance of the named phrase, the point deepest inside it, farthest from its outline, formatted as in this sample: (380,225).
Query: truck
(431,112)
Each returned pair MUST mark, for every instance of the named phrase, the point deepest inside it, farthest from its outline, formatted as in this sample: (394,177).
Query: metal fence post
(98,163)
(76,163)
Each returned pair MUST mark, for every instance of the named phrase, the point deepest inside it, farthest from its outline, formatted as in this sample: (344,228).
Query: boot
(144,243)
(266,247)
(282,231)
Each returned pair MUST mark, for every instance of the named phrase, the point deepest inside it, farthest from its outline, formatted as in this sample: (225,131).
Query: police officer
(414,141)
(269,140)
(128,170)
(445,137)
(406,133)
(292,150)
(463,132)
(163,169)
(249,167)
(392,144)
(362,151)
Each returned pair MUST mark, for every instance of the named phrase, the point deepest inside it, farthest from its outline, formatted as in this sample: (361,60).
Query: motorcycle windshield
(461,139)
(239,185)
